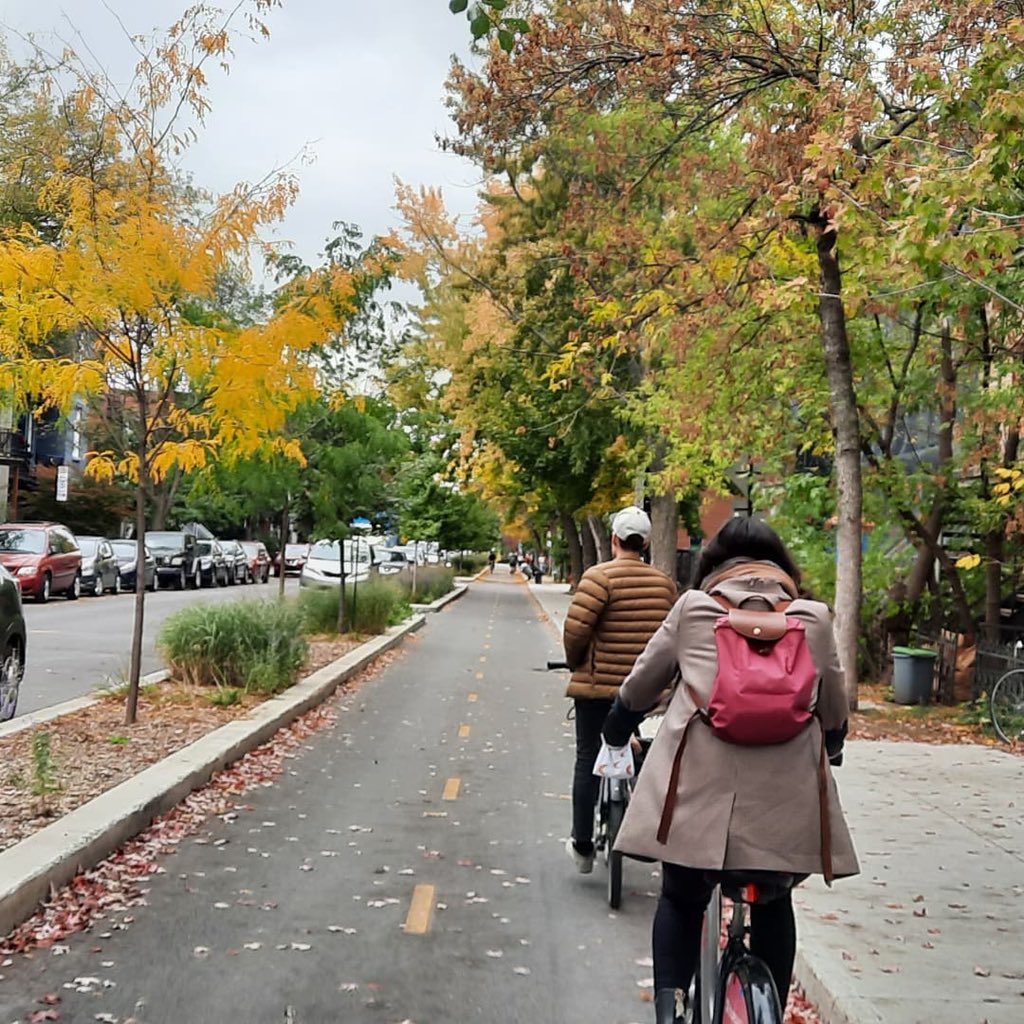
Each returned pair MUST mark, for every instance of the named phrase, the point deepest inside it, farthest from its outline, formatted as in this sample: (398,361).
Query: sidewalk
(930,931)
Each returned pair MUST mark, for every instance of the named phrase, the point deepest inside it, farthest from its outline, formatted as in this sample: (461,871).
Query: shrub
(378,604)
(432,582)
(252,645)
(469,565)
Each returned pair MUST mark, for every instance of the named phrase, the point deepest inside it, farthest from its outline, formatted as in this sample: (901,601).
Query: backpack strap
(669,806)
(826,824)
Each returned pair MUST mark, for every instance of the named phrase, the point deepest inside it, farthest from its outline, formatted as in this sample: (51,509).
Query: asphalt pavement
(930,931)
(407,867)
(76,646)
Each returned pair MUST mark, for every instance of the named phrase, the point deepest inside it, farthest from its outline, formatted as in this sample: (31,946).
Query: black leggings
(677,929)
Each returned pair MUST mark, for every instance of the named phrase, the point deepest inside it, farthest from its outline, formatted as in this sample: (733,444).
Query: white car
(390,561)
(323,564)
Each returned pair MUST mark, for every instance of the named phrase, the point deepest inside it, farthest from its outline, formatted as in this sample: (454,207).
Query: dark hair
(745,537)
(634,542)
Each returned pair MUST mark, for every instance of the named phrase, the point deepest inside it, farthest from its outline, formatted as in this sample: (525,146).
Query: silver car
(323,565)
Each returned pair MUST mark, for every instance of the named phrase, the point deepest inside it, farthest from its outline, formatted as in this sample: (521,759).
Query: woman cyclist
(728,806)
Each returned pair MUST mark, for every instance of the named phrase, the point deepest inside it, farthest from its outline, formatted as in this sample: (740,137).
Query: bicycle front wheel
(1006,706)
(748,995)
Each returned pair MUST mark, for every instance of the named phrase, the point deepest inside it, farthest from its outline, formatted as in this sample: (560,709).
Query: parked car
(177,558)
(212,566)
(126,553)
(295,556)
(44,559)
(390,561)
(259,560)
(12,644)
(323,566)
(100,569)
(237,561)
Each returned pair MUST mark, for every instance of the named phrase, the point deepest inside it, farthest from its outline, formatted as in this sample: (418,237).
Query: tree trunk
(341,587)
(602,538)
(131,707)
(572,541)
(589,546)
(846,423)
(664,533)
(285,527)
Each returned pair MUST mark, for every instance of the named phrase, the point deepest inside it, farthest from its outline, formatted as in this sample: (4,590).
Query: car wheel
(117,583)
(11,670)
(266,575)
(97,587)
(152,587)
(74,592)
(44,589)
(197,578)
(181,580)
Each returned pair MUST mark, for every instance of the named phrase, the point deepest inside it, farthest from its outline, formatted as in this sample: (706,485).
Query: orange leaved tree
(128,253)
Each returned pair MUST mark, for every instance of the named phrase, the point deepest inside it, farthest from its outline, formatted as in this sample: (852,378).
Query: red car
(259,560)
(43,558)
(295,556)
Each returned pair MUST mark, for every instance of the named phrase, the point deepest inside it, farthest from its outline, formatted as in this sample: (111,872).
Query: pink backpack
(764,686)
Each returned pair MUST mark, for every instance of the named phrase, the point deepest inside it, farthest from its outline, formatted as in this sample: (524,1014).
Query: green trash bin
(912,675)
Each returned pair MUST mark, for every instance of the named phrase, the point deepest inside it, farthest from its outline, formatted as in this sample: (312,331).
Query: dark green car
(12,644)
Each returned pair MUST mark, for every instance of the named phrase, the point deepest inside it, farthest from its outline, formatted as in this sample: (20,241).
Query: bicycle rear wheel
(748,995)
(1006,706)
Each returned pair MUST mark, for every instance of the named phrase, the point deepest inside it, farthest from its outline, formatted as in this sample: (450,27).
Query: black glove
(834,741)
(620,723)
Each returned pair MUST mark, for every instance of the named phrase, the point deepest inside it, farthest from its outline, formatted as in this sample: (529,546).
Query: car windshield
(298,550)
(87,545)
(166,540)
(23,542)
(249,546)
(123,547)
(325,549)
(204,547)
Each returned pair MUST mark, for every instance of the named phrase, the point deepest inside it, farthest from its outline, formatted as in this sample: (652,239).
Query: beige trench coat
(736,807)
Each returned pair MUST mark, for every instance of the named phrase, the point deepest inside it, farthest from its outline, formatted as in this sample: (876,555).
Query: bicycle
(731,985)
(1006,706)
(609,810)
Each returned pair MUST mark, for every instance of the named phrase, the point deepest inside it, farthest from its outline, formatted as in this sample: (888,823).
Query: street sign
(62,483)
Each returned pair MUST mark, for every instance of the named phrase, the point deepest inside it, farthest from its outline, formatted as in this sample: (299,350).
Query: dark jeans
(677,929)
(590,716)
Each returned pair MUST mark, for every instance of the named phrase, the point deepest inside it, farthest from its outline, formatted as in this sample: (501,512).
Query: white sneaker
(584,863)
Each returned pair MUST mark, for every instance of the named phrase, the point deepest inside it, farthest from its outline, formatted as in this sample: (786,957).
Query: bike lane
(408,866)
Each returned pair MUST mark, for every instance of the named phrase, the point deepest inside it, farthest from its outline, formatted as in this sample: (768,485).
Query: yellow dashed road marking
(479,675)
(451,789)
(463,732)
(421,910)
(472,698)
(483,657)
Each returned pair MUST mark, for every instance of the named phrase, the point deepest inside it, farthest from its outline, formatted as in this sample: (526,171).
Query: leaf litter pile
(92,750)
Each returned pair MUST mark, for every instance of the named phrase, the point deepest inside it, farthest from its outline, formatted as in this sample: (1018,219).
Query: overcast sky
(357,83)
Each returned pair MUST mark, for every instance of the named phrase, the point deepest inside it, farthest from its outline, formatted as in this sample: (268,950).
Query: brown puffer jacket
(617,608)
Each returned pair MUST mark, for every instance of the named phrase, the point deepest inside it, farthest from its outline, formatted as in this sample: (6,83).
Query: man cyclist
(616,609)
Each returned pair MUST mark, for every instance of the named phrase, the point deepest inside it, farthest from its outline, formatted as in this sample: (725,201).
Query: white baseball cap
(631,520)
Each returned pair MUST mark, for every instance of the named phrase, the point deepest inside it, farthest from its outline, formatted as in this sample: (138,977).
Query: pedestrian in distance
(735,780)
(513,561)
(491,559)
(616,609)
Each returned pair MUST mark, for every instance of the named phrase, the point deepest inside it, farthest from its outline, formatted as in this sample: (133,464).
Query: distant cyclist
(616,609)
(491,559)
(513,561)
(704,803)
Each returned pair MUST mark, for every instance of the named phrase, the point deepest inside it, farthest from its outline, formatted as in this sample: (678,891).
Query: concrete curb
(81,839)
(436,606)
(44,715)
(835,1001)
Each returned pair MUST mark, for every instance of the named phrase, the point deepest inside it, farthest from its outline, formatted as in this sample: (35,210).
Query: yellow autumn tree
(130,252)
